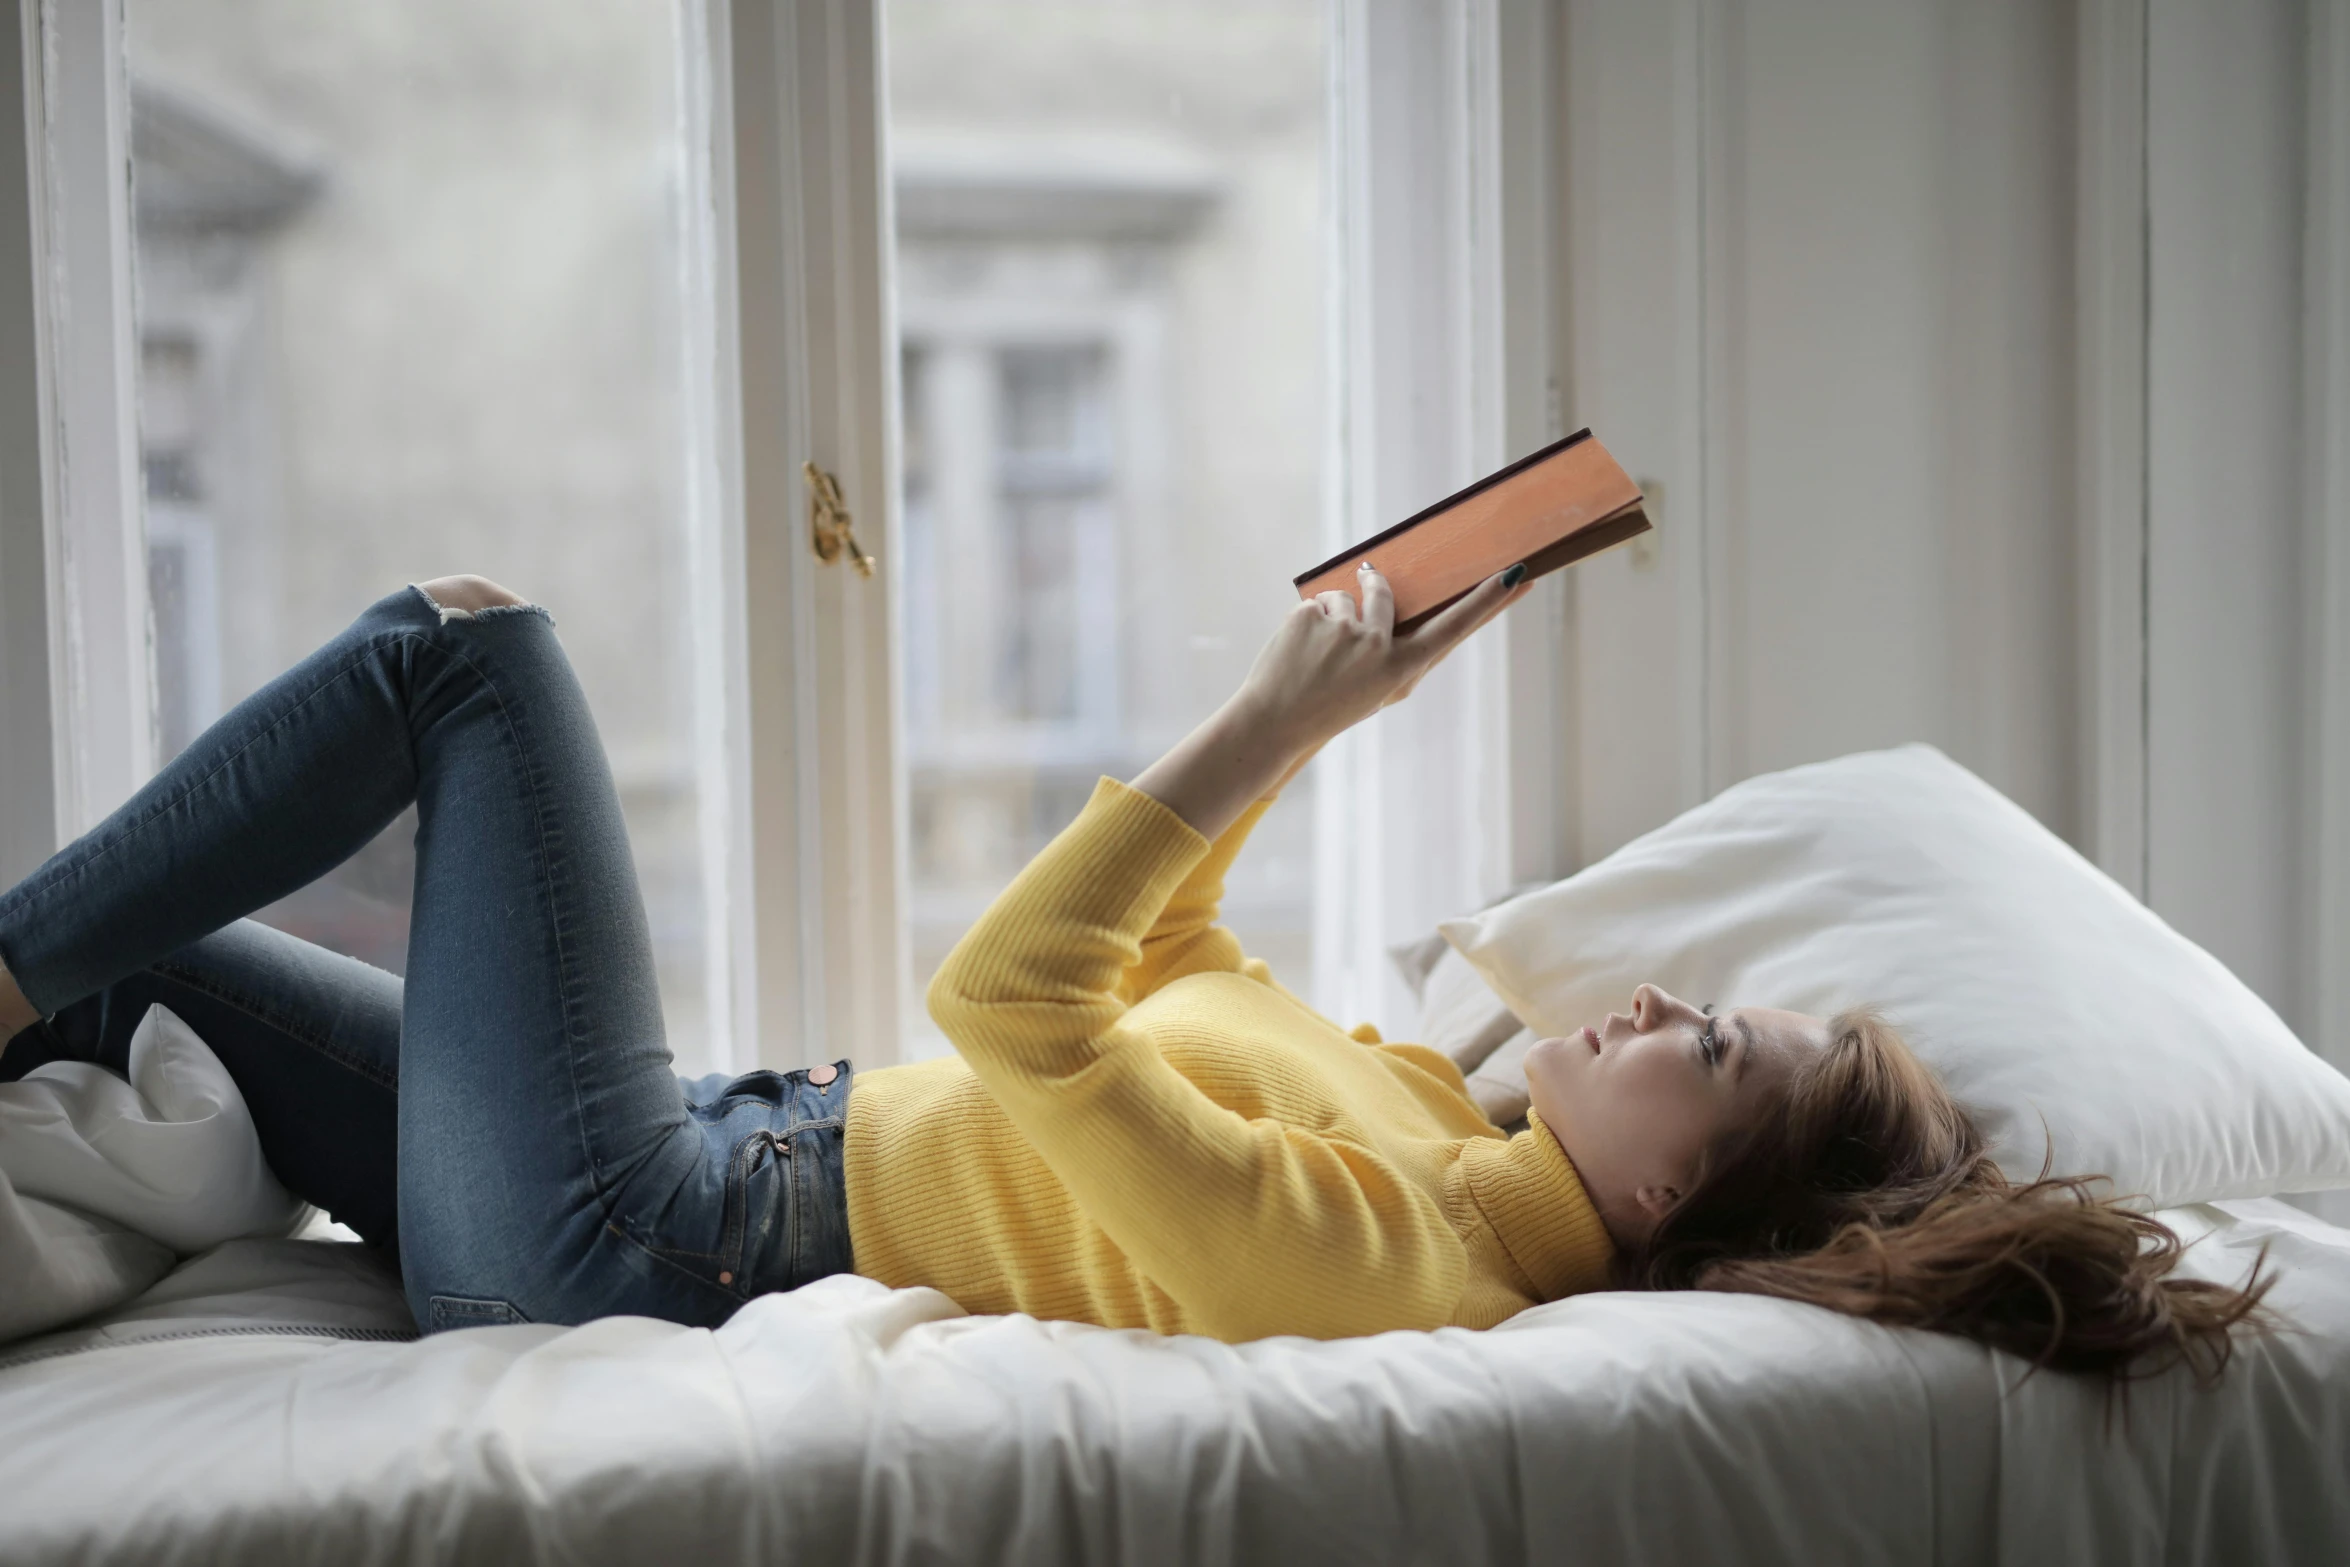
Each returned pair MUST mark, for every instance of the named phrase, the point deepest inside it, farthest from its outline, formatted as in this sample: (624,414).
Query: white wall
(1895,357)
(1890,295)
(2224,624)
(1821,261)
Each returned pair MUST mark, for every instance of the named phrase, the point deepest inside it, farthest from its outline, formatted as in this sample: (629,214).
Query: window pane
(410,283)
(1112,251)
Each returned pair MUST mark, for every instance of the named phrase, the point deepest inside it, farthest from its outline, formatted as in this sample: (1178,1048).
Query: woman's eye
(1709,1046)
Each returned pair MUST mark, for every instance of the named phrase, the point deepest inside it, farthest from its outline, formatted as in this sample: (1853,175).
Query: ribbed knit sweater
(1142,1129)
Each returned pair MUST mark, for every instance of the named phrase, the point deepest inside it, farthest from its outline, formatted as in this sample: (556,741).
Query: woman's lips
(1591,1038)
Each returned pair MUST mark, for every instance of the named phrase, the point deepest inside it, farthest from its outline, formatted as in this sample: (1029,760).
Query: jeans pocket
(458,1311)
(752,1178)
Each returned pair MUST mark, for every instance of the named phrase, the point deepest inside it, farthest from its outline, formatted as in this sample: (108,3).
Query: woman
(1141,1128)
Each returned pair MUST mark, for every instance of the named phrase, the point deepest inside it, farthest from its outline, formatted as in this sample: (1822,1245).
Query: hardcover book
(1553,508)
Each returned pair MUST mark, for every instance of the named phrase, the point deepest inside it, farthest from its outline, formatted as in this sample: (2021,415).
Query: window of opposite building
(410,288)
(1112,264)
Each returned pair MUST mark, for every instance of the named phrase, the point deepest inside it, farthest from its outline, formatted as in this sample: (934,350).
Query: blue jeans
(506,1118)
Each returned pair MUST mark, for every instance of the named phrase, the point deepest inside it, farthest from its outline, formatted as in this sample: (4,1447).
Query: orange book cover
(1553,508)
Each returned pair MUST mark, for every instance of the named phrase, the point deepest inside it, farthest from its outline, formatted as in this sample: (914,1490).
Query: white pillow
(1461,1016)
(102,1180)
(2027,978)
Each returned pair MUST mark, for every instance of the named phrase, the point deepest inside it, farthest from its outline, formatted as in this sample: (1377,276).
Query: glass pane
(1111,260)
(411,301)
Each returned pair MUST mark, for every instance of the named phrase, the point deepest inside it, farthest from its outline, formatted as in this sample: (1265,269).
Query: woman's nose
(1647,1003)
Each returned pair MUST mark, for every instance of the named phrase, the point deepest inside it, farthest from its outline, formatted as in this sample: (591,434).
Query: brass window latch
(828,521)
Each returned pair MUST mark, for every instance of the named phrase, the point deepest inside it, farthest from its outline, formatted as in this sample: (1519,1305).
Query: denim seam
(283,1025)
(796,1212)
(676,1251)
(735,1210)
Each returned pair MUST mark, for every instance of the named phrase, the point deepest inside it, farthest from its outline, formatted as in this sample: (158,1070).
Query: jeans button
(821,1075)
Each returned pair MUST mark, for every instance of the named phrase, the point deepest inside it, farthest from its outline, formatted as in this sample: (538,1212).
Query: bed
(263,1403)
(266,1400)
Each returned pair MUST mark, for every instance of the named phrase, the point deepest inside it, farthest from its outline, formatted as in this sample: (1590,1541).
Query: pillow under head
(2039,989)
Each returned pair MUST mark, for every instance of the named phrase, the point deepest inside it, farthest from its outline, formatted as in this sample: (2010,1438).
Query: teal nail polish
(1515,575)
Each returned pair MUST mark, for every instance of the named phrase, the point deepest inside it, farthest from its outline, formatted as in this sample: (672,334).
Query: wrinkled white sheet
(849,1423)
(105,1182)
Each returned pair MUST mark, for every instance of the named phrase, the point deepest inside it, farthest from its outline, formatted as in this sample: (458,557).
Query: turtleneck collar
(1529,1192)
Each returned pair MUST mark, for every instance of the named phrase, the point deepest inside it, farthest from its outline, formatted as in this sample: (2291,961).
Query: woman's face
(1637,1100)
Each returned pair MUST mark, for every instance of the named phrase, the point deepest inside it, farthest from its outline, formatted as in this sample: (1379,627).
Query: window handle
(828,521)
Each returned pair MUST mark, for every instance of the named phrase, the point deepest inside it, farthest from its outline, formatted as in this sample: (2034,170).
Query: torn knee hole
(469,597)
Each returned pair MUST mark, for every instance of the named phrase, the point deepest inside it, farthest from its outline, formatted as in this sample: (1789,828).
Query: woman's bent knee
(468,593)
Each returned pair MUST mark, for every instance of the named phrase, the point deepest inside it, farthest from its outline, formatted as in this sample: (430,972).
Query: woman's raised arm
(1329,667)
(1224,1213)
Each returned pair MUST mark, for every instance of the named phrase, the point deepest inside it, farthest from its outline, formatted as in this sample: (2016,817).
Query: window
(1112,263)
(410,293)
(571,296)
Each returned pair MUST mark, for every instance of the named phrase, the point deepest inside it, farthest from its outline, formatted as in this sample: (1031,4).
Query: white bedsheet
(850,1423)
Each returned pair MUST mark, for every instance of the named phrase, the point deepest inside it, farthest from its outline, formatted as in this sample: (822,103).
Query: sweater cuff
(1151,839)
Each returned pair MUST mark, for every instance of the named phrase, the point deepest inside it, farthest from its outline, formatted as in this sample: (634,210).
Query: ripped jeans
(506,1118)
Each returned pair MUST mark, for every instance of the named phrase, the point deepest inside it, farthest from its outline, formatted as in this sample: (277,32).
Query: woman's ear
(1657,1201)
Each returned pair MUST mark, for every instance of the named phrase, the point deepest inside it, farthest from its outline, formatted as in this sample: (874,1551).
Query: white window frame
(72,529)
(791,362)
(806,867)
(1449,343)
(2326,510)
(28,781)
(1449,108)
(2111,233)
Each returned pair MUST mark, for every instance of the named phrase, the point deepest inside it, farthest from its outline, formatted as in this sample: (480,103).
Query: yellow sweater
(1144,1130)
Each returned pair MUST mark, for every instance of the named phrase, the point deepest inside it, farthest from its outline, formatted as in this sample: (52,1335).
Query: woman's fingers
(1317,680)
(1378,598)
(1440,633)
(1507,599)
(1427,659)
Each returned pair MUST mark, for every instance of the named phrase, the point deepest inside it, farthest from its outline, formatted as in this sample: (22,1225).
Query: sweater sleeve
(1186,939)
(1253,1226)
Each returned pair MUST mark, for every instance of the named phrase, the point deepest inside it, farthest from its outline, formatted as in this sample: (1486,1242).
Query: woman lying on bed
(1141,1128)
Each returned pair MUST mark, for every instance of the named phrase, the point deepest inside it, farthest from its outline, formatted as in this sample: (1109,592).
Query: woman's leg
(311,1037)
(547,1163)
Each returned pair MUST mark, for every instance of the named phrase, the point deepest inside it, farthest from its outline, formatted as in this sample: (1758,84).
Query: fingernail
(1365,566)
(1515,575)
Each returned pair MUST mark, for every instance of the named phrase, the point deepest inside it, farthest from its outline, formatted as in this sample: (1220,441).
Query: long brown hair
(1869,1191)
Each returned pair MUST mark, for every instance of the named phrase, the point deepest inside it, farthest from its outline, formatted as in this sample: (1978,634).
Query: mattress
(263,1403)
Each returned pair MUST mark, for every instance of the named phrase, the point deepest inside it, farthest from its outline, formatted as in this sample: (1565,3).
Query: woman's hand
(1328,667)
(1332,665)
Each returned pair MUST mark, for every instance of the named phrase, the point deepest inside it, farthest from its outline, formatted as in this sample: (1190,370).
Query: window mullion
(1450,364)
(813,753)
(28,782)
(77,599)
